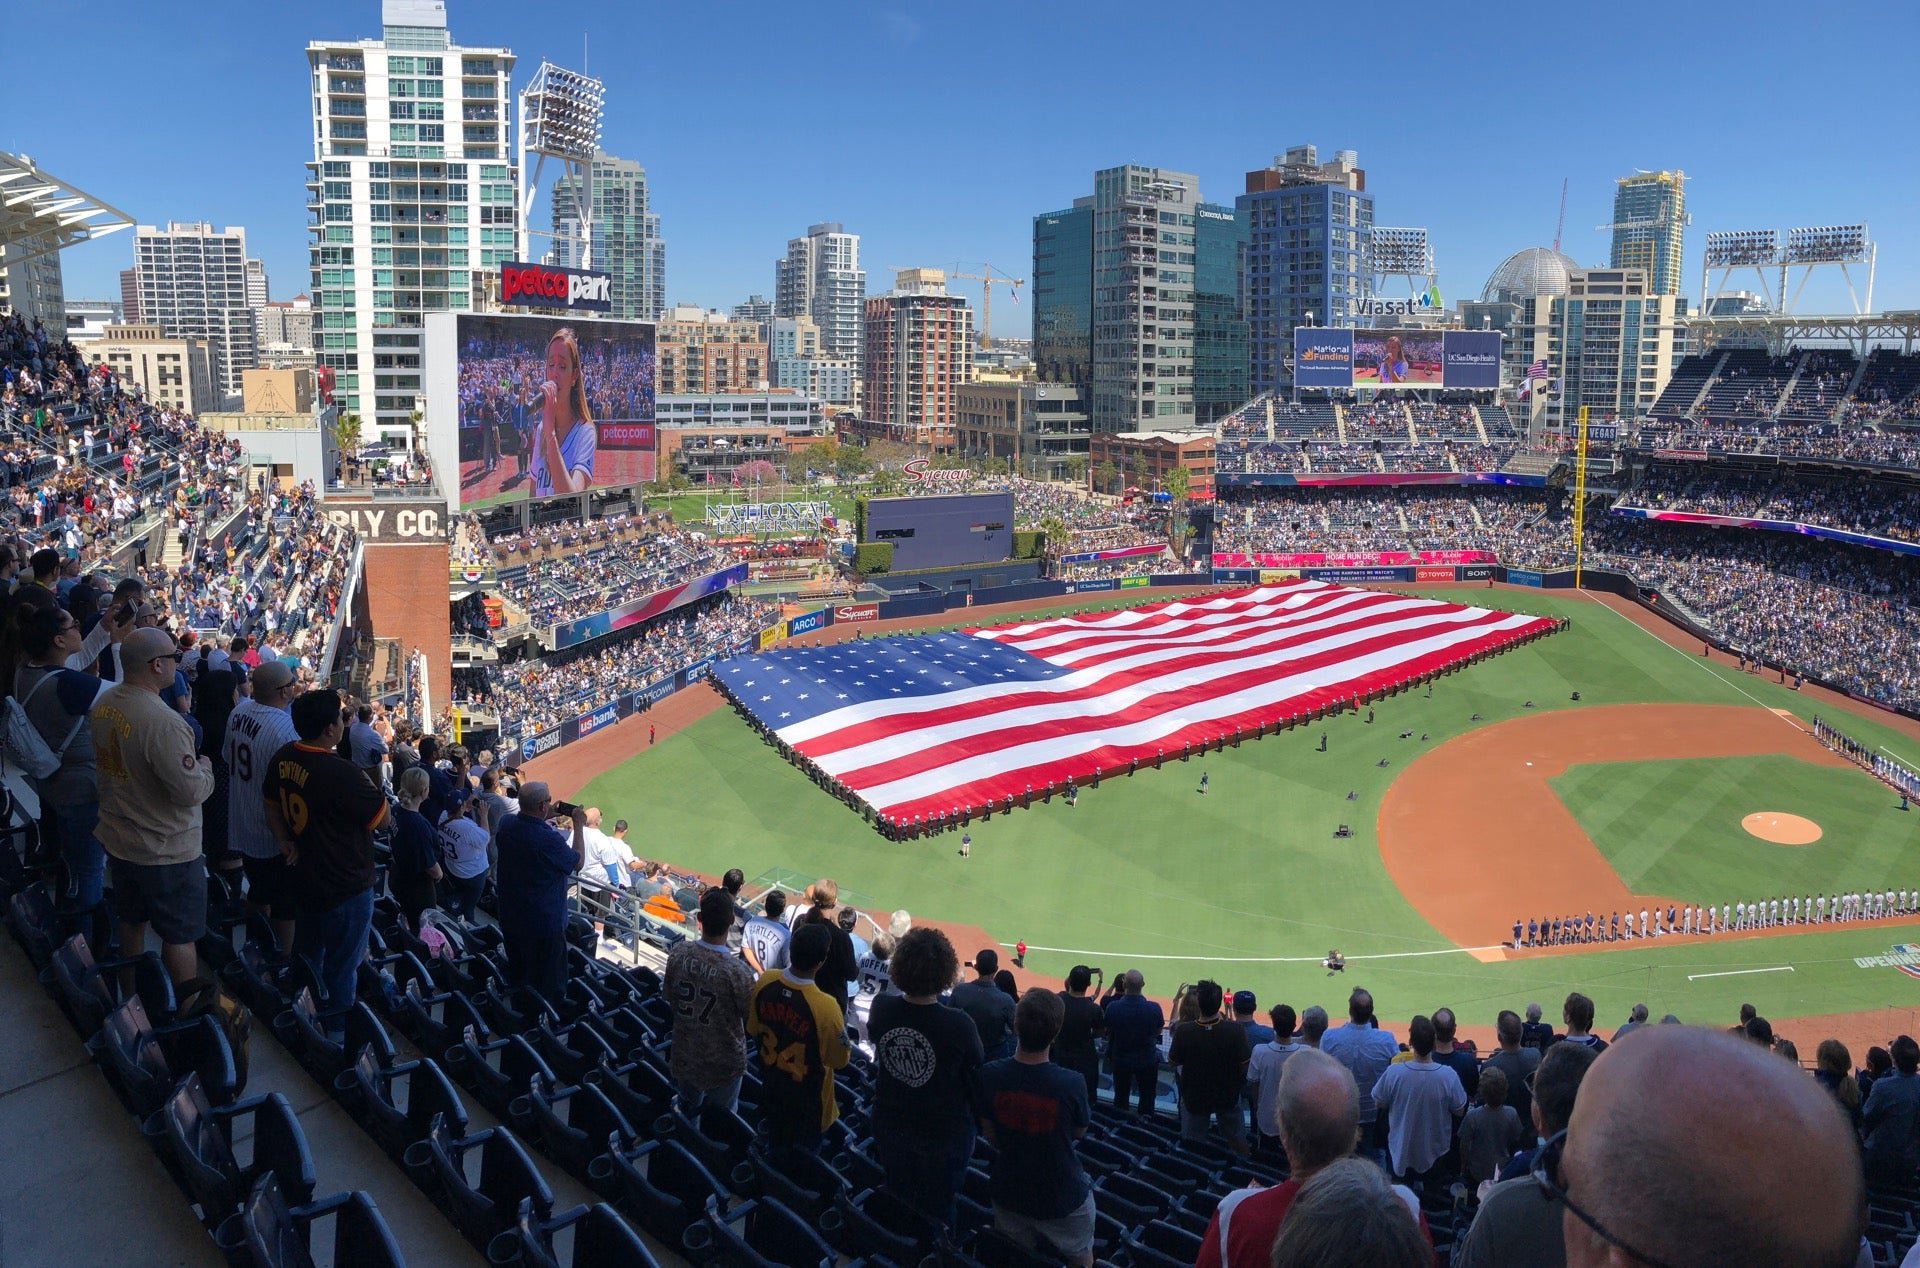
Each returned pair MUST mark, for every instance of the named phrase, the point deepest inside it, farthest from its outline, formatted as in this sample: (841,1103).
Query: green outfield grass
(1674,827)
(1248,884)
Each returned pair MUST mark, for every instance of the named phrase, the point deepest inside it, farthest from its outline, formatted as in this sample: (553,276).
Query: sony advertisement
(1389,359)
(551,407)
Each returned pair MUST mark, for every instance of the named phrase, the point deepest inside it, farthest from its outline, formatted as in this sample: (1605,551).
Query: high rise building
(130,296)
(88,319)
(1610,343)
(702,352)
(173,371)
(626,236)
(754,308)
(1118,280)
(33,287)
(821,278)
(411,198)
(1649,227)
(799,364)
(1063,295)
(256,284)
(1307,228)
(192,283)
(287,324)
(919,350)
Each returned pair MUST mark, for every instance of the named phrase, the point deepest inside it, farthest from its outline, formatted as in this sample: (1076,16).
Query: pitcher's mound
(1782,829)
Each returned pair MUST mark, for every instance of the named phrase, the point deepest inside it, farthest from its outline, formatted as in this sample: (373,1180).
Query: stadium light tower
(560,113)
(1407,255)
(1773,263)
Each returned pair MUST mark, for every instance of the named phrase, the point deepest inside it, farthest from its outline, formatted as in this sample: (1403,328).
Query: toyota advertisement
(552,407)
(1341,360)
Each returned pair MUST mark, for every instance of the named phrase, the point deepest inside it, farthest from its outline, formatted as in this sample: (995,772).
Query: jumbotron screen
(1414,358)
(551,407)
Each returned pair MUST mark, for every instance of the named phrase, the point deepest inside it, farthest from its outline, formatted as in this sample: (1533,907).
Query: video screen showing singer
(564,441)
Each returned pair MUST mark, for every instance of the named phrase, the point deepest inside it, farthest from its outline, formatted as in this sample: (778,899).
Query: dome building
(1527,274)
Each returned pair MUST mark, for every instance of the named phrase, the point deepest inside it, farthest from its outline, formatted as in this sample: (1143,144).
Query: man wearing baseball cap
(1244,1004)
(990,1007)
(258,728)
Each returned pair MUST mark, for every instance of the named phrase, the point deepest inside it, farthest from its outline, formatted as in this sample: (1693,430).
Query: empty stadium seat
(31,921)
(573,1050)
(496,1071)
(482,1200)
(268,1233)
(398,1104)
(198,1141)
(86,992)
(720,1139)
(803,1182)
(638,1089)
(1161,1245)
(753,1234)
(436,1020)
(599,1237)
(574,1125)
(660,1184)
(144,1063)
(878,1223)
(299,1029)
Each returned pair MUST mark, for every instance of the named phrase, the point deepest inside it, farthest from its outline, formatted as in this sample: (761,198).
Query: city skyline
(1460,130)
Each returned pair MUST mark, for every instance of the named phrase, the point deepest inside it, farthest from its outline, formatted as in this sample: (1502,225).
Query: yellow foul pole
(1579,495)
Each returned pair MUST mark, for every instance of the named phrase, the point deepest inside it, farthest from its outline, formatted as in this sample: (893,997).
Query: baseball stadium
(581,821)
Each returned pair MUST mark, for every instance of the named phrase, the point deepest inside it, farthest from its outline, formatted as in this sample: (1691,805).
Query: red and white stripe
(1143,681)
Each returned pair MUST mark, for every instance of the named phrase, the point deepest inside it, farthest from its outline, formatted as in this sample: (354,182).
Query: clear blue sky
(936,131)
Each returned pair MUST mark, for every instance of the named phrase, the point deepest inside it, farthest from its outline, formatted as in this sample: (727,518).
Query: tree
(346,433)
(1178,481)
(1057,534)
(798,463)
(1106,476)
(849,461)
(1137,470)
(1077,468)
(757,474)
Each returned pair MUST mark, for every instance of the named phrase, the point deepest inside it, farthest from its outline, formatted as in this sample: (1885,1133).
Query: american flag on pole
(1538,370)
(929,725)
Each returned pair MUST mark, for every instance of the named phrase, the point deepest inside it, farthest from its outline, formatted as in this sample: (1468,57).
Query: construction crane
(986,277)
(1559,226)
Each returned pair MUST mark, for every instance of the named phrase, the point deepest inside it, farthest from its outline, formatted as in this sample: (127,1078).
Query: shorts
(172,897)
(269,885)
(1070,1235)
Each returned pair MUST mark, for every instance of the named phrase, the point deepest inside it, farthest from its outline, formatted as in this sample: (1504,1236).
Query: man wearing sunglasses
(1690,1147)
(151,787)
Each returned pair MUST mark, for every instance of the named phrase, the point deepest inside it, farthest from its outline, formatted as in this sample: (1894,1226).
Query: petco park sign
(542,286)
(919,470)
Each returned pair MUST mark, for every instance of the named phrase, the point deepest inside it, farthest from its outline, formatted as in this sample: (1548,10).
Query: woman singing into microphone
(564,440)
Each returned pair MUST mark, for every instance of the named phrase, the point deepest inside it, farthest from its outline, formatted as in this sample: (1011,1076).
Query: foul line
(1778,968)
(1265,959)
(1895,756)
(1700,661)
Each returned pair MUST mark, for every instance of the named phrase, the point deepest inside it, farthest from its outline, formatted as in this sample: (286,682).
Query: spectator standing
(1422,1098)
(537,864)
(1318,1111)
(1264,1069)
(1032,1111)
(58,701)
(257,730)
(1834,1072)
(1366,1051)
(1514,1061)
(323,811)
(463,845)
(1490,1132)
(368,751)
(1210,1055)
(1081,1025)
(151,787)
(708,987)
(799,1036)
(1247,1018)
(1636,1018)
(763,943)
(1134,1023)
(1535,1033)
(990,1007)
(835,975)
(1577,1012)
(1666,1162)
(1518,1224)
(414,874)
(1348,1216)
(1890,1118)
(927,1063)
(1445,1053)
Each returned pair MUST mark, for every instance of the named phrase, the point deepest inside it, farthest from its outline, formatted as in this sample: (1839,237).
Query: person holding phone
(564,440)
(537,864)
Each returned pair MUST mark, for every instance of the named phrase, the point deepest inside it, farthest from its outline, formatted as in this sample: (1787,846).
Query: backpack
(202,996)
(24,743)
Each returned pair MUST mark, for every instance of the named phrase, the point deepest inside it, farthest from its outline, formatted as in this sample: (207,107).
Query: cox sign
(543,286)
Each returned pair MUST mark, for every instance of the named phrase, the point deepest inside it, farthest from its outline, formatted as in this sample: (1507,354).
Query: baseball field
(1674,778)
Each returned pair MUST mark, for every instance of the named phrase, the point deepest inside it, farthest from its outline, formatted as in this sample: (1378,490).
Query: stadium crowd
(529,696)
(1877,509)
(596,569)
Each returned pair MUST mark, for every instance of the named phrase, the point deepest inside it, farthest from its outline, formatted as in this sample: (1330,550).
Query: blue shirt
(576,454)
(1037,1111)
(1367,1053)
(536,866)
(1134,1023)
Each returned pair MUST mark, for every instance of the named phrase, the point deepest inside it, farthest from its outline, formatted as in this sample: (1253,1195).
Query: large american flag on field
(930,724)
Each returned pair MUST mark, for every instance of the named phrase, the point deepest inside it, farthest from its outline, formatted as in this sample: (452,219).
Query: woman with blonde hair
(564,441)
(1833,1070)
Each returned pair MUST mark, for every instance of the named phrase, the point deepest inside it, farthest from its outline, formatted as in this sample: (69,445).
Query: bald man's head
(1319,1110)
(1682,1143)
